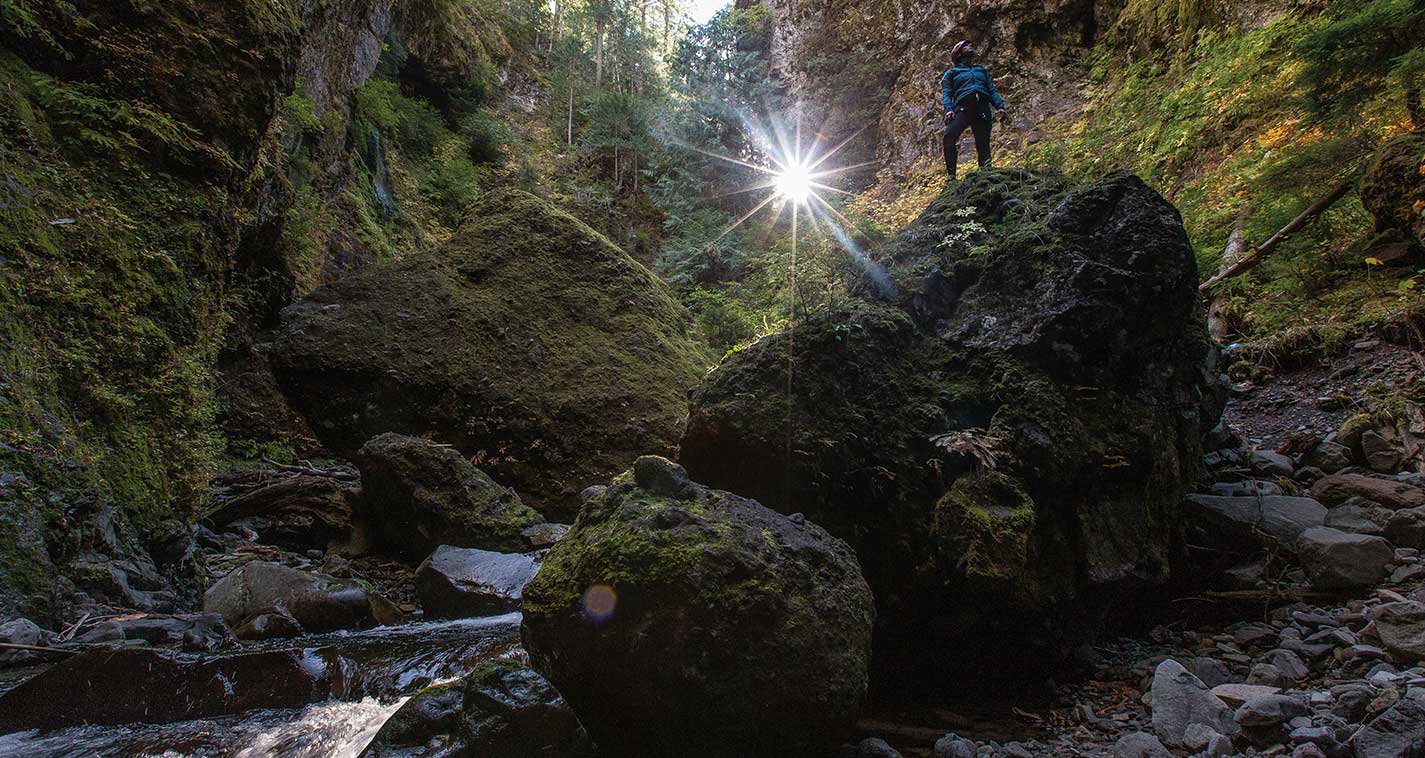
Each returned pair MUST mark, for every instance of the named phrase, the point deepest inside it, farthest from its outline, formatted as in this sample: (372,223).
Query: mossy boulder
(680,620)
(530,342)
(418,495)
(1393,190)
(1006,445)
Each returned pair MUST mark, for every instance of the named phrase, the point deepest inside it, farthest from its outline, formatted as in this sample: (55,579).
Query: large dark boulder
(502,709)
(1393,189)
(418,495)
(456,582)
(529,342)
(680,620)
(1007,444)
(128,685)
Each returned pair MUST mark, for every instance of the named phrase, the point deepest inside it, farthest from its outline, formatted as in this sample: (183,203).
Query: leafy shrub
(487,136)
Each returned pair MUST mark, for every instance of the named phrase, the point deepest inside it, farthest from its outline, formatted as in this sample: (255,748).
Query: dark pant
(976,116)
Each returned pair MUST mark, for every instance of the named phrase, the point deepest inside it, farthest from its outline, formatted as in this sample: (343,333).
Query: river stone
(1381,456)
(429,720)
(1269,710)
(22,631)
(1399,732)
(1401,627)
(875,747)
(1139,745)
(1233,521)
(300,513)
(511,711)
(528,341)
(1330,457)
(1272,463)
(316,601)
(1360,516)
(1181,700)
(897,399)
(1337,488)
(126,685)
(1337,560)
(418,495)
(954,746)
(700,623)
(1237,694)
(456,582)
(1406,528)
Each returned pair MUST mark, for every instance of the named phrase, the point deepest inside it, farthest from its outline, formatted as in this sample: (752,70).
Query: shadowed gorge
(760,379)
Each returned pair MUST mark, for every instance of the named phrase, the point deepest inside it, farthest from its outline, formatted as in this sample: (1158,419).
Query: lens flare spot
(599,602)
(795,182)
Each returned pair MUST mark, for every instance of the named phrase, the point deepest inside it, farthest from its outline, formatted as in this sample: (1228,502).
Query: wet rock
(1181,700)
(129,685)
(22,632)
(457,582)
(531,292)
(418,495)
(1237,694)
(1233,522)
(1330,457)
(967,360)
(1398,732)
(299,513)
(663,616)
(1337,560)
(317,602)
(1248,488)
(1272,464)
(875,747)
(267,626)
(510,710)
(1211,671)
(1406,528)
(429,722)
(1268,675)
(1269,710)
(1401,627)
(1393,187)
(1381,456)
(953,746)
(1338,488)
(1291,666)
(193,632)
(1360,516)
(543,535)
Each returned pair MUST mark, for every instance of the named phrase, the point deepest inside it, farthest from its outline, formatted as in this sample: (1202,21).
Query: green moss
(989,522)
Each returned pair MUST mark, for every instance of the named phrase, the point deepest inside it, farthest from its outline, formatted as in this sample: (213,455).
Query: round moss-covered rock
(528,341)
(1393,190)
(680,620)
(418,495)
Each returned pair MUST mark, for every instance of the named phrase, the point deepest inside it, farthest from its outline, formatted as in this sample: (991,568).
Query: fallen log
(1267,248)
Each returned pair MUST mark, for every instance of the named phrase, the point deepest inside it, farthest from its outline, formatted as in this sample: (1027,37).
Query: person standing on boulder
(969,94)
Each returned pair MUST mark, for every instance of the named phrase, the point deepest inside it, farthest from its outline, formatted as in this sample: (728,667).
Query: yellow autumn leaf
(1374,262)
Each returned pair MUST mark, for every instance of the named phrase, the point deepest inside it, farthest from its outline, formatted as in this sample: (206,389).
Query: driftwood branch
(1266,248)
(36,648)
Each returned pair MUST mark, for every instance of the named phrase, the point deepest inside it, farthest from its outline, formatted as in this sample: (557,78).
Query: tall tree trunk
(1219,320)
(571,109)
(603,24)
(558,24)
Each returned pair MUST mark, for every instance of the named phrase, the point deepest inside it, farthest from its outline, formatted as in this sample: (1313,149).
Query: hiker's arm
(994,93)
(947,90)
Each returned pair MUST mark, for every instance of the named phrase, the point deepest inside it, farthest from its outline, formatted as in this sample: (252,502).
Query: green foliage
(487,136)
(1360,51)
(1172,23)
(299,108)
(453,184)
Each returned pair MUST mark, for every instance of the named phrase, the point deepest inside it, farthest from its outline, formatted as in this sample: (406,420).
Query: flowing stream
(381,668)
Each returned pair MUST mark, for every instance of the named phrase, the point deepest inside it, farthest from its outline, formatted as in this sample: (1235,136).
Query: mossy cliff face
(859,62)
(1006,445)
(529,342)
(679,620)
(136,139)
(1394,188)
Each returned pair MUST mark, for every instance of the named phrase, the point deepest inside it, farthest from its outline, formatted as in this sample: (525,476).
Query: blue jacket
(962,81)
